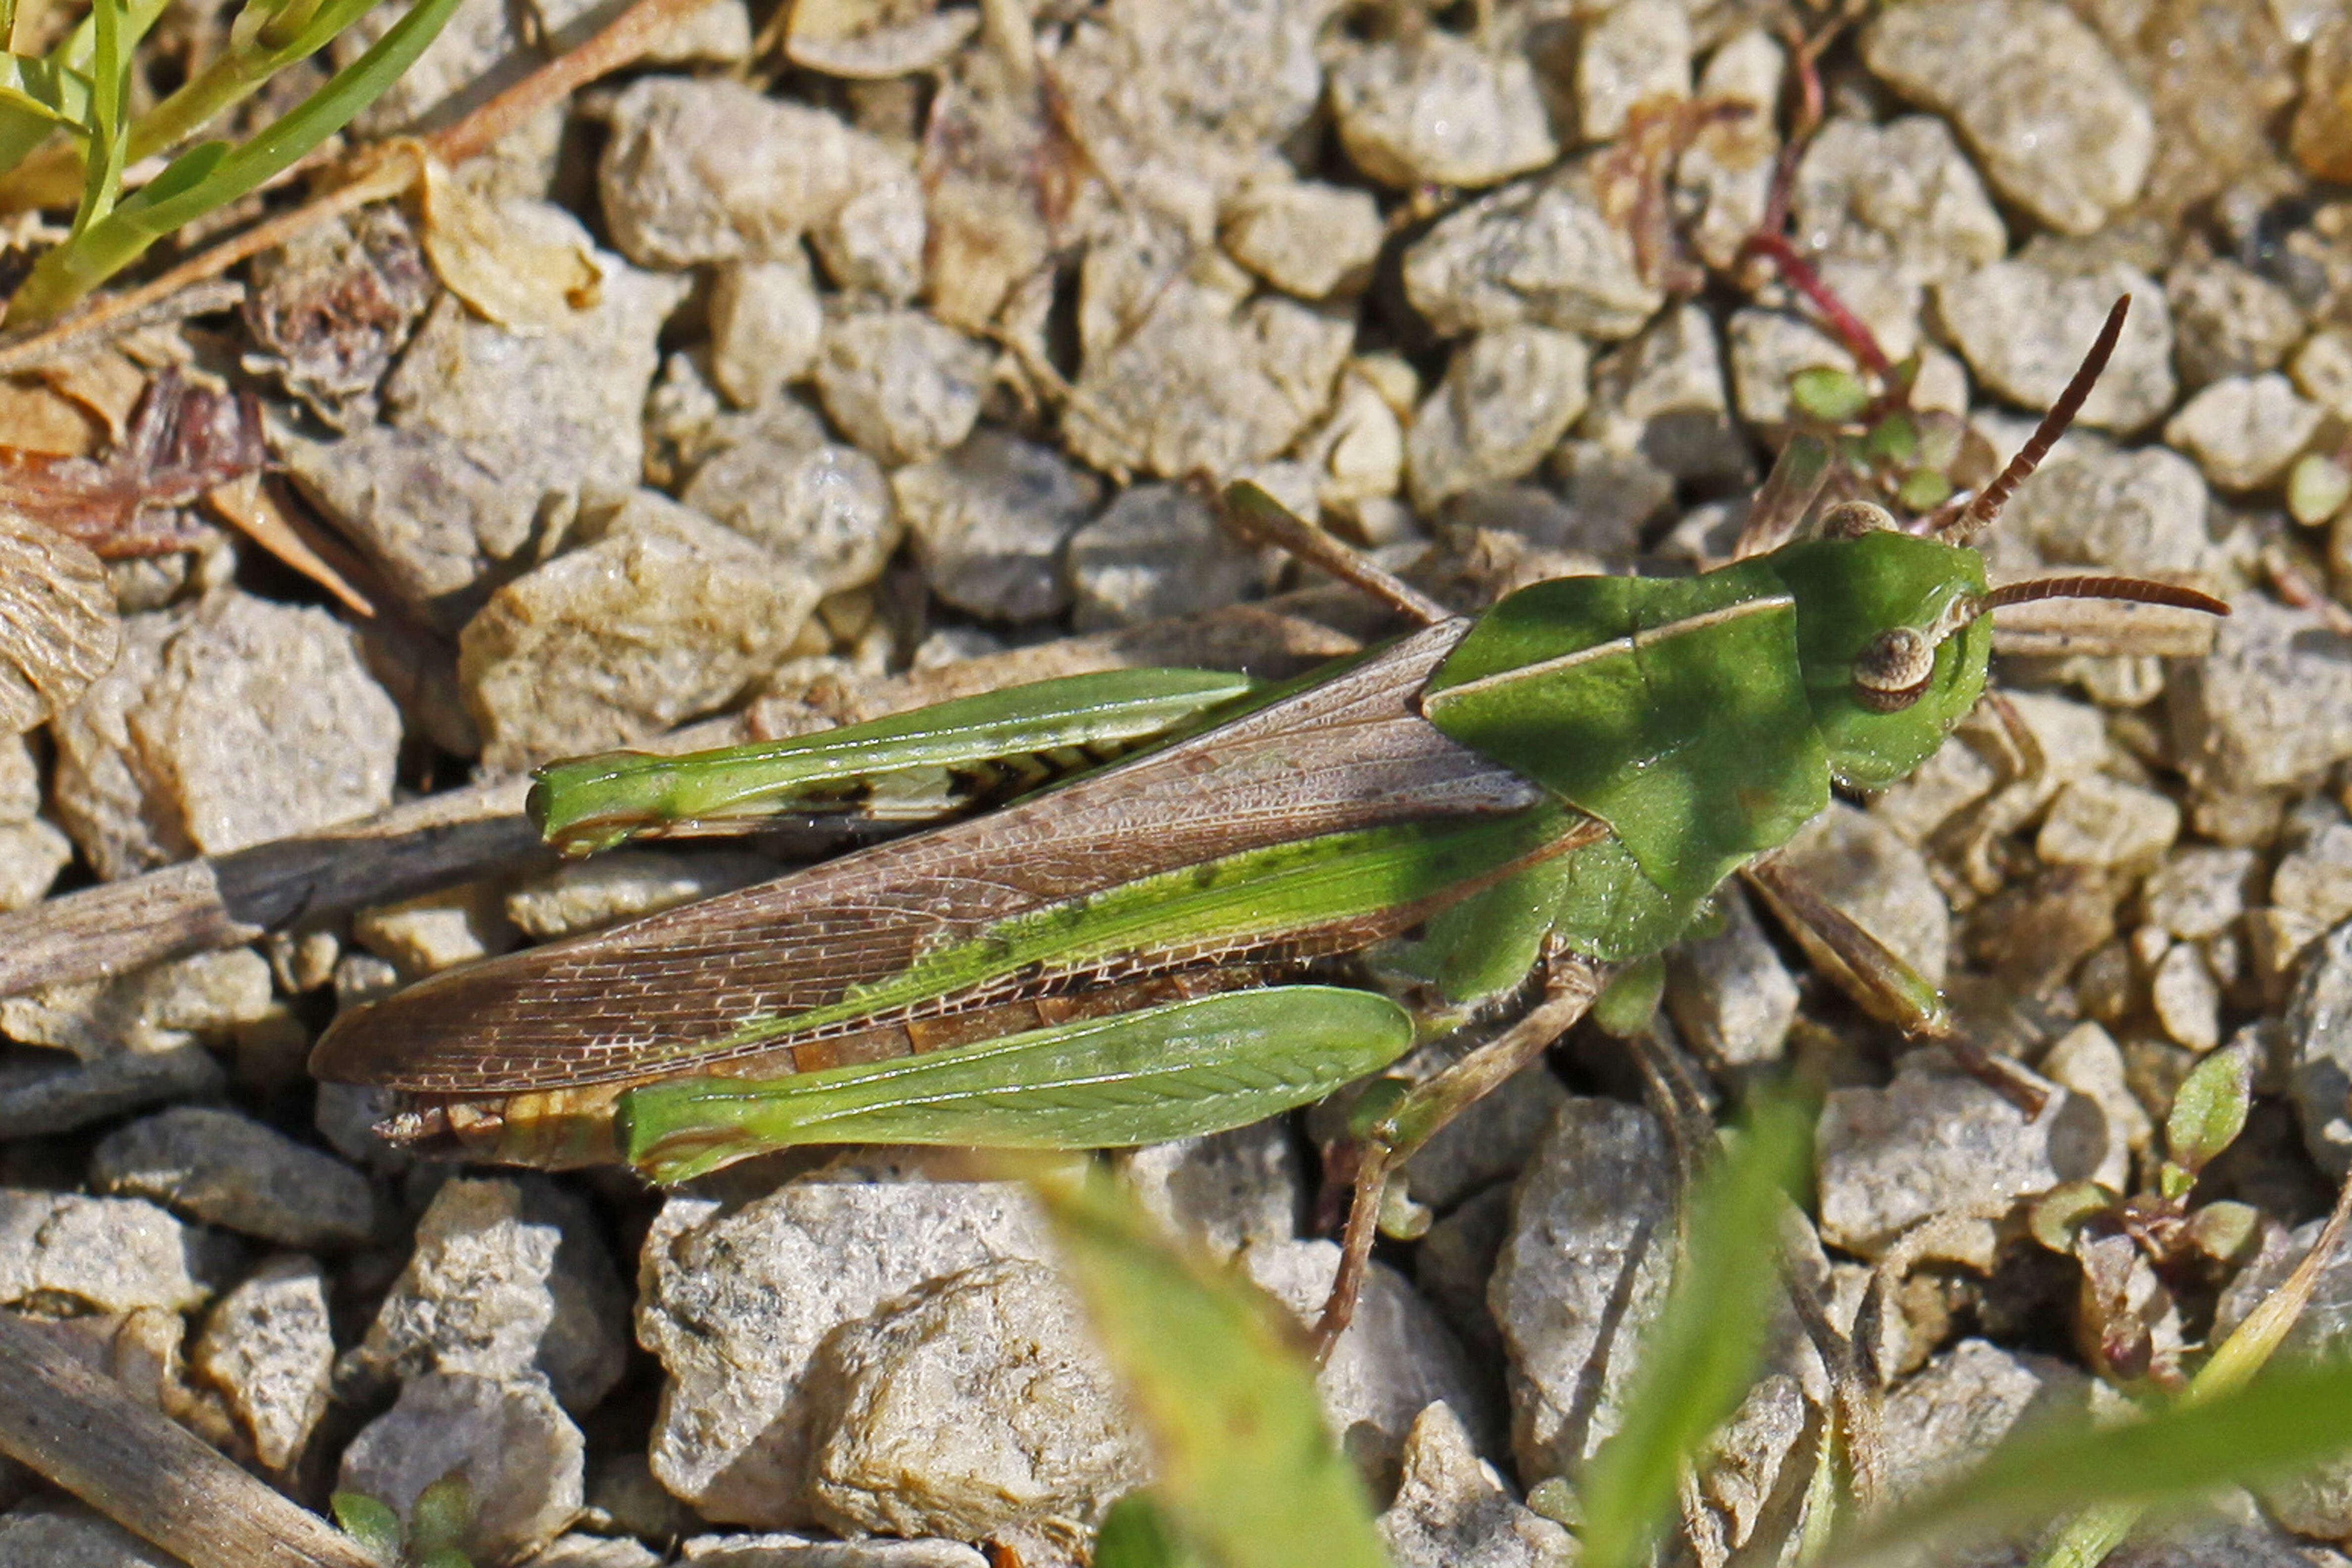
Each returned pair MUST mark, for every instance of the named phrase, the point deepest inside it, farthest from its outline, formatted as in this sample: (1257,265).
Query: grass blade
(212,175)
(1701,1356)
(1248,1476)
(2282,1421)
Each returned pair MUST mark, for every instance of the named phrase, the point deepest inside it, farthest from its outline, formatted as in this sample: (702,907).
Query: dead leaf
(59,631)
(184,439)
(524,286)
(249,506)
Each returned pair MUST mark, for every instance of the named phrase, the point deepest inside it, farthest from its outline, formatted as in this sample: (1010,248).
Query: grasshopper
(1283,889)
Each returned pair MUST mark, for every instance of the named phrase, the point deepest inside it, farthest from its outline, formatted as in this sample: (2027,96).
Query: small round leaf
(2209,1109)
(1836,396)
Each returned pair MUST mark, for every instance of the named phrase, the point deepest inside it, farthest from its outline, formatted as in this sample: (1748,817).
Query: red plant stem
(1850,329)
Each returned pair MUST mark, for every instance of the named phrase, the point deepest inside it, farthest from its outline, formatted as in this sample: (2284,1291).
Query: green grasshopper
(1283,890)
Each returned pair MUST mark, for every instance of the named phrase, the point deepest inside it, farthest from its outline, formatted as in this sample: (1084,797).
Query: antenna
(1979,515)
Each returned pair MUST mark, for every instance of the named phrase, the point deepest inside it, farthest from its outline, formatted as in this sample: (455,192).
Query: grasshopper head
(1893,629)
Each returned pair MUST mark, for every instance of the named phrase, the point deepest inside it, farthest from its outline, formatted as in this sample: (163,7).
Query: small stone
(2103,821)
(1438,108)
(2059,129)
(49,1534)
(765,326)
(1223,1190)
(1614,495)
(2187,998)
(1157,550)
(663,614)
(708,168)
(347,1114)
(1937,1140)
(823,506)
(508,1280)
(1488,1142)
(989,520)
(2199,890)
(621,884)
(227,723)
(2323,122)
(737,1302)
(1542,252)
(2244,432)
(2086,1060)
(1730,995)
(52,1095)
(2228,320)
(1453,1262)
(1452,1511)
(20,781)
(433,932)
(1634,53)
(901,385)
(2322,371)
(110,1255)
(1585,1270)
(2269,707)
(577,1550)
(1943,1420)
(227,1169)
(2314,878)
(1883,884)
(1901,194)
(2024,327)
(1507,398)
(31,855)
(1202,378)
(1739,1476)
(1768,347)
(1725,174)
(523,1458)
(1304,238)
(203,996)
(977,1404)
(1957,777)
(1356,454)
(2319,1052)
(268,1346)
(1395,1360)
(1662,397)
(362,977)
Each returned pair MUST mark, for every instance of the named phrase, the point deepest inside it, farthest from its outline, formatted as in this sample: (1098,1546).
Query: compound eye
(1893,672)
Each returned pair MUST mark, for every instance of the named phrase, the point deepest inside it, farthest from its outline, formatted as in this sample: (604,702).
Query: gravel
(926,354)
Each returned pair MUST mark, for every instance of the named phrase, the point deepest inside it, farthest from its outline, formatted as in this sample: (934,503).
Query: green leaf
(2208,1110)
(1248,1476)
(442,1514)
(1834,396)
(2225,1231)
(2283,1421)
(1893,439)
(2316,488)
(2065,1209)
(447,1557)
(371,1523)
(1923,489)
(1136,1533)
(1700,1358)
(103,248)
